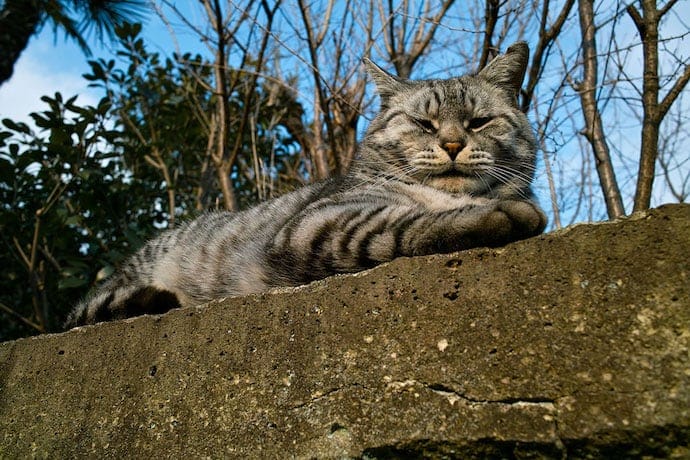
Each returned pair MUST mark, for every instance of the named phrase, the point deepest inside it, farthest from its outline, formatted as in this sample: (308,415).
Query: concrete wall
(573,343)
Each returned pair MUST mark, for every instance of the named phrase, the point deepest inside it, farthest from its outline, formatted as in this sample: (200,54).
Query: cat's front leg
(493,224)
(335,237)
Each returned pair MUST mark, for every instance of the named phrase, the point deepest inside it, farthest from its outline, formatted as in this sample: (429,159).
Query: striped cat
(446,165)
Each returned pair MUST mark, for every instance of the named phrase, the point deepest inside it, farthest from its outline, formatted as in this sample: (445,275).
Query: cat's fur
(446,165)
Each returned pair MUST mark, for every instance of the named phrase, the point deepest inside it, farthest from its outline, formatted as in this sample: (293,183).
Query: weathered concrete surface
(571,344)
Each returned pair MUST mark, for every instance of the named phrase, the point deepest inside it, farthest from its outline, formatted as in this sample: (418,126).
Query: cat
(446,165)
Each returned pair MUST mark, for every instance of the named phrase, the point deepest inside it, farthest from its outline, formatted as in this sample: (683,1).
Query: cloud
(35,76)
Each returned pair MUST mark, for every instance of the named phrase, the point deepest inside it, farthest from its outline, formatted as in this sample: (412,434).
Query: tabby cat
(446,165)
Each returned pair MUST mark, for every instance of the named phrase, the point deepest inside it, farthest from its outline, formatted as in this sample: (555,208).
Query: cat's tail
(118,300)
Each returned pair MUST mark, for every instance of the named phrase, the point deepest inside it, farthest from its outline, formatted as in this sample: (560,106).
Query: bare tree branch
(26,321)
(674,92)
(547,35)
(404,53)
(594,131)
(491,10)
(322,101)
(666,8)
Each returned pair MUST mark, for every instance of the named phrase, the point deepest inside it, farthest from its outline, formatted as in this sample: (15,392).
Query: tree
(647,23)
(21,19)
(158,103)
(594,131)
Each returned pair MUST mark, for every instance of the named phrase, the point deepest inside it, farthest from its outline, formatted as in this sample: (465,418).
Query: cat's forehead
(465,93)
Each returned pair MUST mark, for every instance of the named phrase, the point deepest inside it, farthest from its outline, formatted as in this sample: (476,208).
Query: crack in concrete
(441,389)
(318,395)
(445,390)
(549,404)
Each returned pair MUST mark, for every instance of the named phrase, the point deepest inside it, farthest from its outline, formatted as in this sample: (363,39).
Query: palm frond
(103,16)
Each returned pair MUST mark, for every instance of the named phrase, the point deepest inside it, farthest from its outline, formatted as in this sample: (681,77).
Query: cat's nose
(452,149)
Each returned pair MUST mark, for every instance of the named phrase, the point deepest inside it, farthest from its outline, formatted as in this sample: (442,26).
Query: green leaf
(3,136)
(18,127)
(6,171)
(73,220)
(41,120)
(97,72)
(71,282)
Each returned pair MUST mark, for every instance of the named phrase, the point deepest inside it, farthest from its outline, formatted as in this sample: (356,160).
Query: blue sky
(51,64)
(43,68)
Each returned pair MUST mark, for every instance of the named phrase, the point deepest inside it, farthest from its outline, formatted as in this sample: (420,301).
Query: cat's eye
(478,123)
(426,125)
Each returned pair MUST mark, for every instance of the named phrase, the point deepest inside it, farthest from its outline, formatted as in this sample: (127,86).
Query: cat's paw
(526,218)
(508,221)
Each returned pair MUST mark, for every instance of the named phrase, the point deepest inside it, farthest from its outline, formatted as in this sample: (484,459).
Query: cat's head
(461,135)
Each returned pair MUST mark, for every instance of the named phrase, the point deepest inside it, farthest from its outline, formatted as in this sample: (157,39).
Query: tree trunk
(594,130)
(648,27)
(19,20)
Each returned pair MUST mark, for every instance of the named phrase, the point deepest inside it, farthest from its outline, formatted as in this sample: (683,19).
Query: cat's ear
(508,70)
(386,84)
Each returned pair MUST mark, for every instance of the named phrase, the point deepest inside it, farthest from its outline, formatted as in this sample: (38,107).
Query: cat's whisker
(505,177)
(381,178)
(513,170)
(523,169)
(483,180)
(508,180)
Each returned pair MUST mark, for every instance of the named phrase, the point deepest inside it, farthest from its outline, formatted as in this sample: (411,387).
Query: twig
(16,315)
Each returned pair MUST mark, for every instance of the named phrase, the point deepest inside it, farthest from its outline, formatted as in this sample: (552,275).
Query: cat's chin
(455,183)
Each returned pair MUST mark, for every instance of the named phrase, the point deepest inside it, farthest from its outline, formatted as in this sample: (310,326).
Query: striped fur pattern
(446,165)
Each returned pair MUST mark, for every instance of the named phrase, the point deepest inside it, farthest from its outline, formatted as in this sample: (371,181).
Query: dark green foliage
(69,209)
(93,183)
